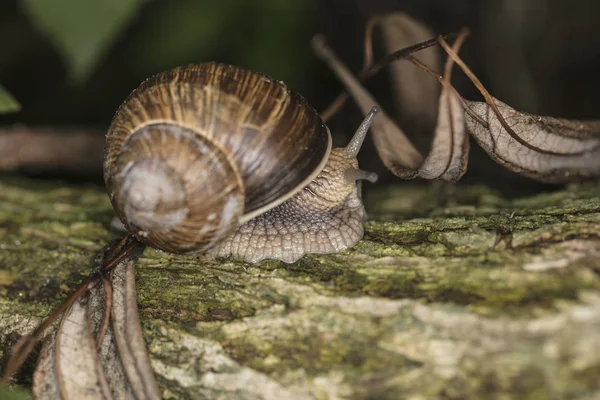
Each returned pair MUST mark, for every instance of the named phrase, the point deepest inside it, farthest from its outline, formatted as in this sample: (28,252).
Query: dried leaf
(69,367)
(544,148)
(79,370)
(414,93)
(45,382)
(556,150)
(394,148)
(371,69)
(128,335)
(108,352)
(449,152)
(448,157)
(72,367)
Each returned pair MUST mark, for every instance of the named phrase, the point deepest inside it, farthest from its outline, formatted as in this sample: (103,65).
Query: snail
(219,159)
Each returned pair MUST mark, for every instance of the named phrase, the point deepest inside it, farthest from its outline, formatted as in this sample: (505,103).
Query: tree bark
(454,293)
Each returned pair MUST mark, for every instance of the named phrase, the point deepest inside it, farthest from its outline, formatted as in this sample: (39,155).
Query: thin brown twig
(448,83)
(335,106)
(369,69)
(440,79)
(403,54)
(25,345)
(490,101)
(409,155)
(39,148)
(368,44)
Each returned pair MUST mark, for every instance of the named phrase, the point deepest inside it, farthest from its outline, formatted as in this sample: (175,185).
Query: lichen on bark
(455,292)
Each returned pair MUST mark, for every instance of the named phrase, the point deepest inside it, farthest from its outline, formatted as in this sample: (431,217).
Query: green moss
(454,292)
(315,343)
(335,273)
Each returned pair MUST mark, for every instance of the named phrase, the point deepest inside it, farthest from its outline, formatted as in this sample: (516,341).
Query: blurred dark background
(540,56)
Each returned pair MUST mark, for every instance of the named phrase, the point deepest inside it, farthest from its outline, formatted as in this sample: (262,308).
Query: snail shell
(195,152)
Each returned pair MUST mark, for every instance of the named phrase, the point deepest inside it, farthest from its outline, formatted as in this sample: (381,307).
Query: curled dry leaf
(543,148)
(557,150)
(394,148)
(448,156)
(69,367)
(128,335)
(72,366)
(126,249)
(45,383)
(414,93)
(107,348)
(449,152)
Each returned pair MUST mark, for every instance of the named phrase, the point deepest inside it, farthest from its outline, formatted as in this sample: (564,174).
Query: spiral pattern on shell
(196,151)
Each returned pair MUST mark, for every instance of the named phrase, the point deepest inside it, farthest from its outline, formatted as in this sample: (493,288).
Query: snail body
(220,159)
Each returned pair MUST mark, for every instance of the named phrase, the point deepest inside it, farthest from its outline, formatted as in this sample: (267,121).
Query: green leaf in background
(182,32)
(269,36)
(6,394)
(280,25)
(81,30)
(8,104)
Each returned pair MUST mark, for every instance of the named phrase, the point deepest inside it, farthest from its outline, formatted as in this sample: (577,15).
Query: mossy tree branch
(453,292)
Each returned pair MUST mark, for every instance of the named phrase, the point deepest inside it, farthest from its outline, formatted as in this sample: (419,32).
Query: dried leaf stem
(398,153)
(447,83)
(105,276)
(490,101)
(369,69)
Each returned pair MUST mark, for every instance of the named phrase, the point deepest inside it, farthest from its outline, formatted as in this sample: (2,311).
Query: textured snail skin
(220,158)
(324,217)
